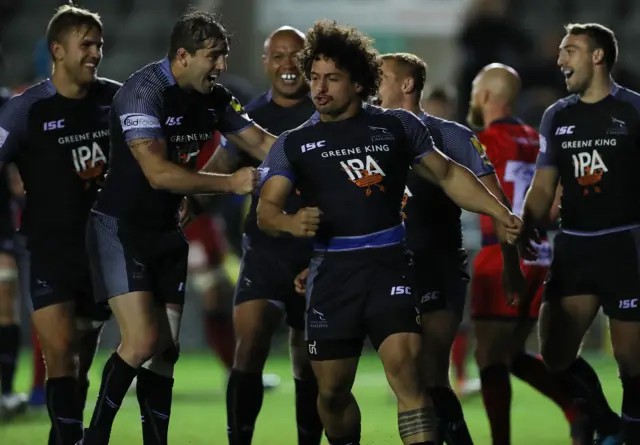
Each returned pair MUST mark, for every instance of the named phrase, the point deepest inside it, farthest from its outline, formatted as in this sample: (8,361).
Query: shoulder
(20,104)
(258,102)
(448,128)
(553,109)
(148,82)
(107,87)
(403,116)
(627,95)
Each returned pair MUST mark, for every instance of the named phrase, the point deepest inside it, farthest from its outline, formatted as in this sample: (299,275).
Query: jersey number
(520,174)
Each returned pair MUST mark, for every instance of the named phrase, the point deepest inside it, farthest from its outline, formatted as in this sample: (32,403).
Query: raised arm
(242,132)
(139,116)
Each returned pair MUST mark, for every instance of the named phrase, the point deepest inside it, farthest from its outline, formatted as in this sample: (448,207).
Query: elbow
(262,220)
(156,180)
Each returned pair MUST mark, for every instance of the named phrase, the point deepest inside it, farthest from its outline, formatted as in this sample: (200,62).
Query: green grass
(199,414)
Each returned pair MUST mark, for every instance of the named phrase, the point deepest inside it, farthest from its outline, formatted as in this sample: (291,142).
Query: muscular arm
(462,186)
(273,197)
(162,174)
(222,161)
(540,197)
(254,140)
(509,251)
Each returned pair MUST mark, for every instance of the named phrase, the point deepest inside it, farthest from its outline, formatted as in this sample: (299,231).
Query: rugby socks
(154,396)
(452,427)
(459,355)
(220,336)
(532,370)
(307,417)
(117,376)
(583,384)
(83,389)
(631,408)
(245,393)
(64,411)
(9,348)
(496,395)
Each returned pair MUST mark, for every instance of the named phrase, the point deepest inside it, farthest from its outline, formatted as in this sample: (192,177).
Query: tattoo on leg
(421,420)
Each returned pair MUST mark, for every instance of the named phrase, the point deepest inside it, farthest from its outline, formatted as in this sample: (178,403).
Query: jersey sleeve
(233,118)
(420,142)
(547,152)
(13,126)
(276,163)
(226,144)
(139,109)
(461,145)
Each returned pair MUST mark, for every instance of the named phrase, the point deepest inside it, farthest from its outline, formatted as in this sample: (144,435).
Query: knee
(251,353)
(164,362)
(334,397)
(628,359)
(140,348)
(556,359)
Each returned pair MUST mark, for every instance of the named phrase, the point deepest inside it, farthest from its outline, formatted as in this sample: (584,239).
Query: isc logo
(174,121)
(54,125)
(311,145)
(628,304)
(401,290)
(567,129)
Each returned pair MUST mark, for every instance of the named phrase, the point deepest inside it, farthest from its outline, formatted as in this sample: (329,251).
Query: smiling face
(205,65)
(390,90)
(280,64)
(576,60)
(79,53)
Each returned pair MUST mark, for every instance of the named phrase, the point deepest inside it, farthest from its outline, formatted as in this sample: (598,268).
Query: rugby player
(502,327)
(350,163)
(57,134)
(269,264)
(589,144)
(11,403)
(434,236)
(160,119)
(439,101)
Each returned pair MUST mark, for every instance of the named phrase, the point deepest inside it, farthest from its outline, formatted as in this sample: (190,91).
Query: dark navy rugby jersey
(432,219)
(354,170)
(61,149)
(596,149)
(275,119)
(151,105)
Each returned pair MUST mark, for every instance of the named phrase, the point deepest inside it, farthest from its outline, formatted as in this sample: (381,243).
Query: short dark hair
(415,66)
(600,37)
(194,30)
(70,17)
(442,93)
(350,50)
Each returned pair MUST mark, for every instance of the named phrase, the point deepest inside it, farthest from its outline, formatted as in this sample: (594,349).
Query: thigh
(169,265)
(440,281)
(390,304)
(618,278)
(571,270)
(488,301)
(118,259)
(336,293)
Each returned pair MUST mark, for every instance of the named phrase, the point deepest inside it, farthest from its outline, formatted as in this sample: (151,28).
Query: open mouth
(289,78)
(568,72)
(211,78)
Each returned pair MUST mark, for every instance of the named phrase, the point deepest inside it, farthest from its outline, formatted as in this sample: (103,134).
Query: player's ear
(57,49)
(181,56)
(358,87)
(598,56)
(408,85)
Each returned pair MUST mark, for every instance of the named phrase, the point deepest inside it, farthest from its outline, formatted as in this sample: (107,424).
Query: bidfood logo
(135,121)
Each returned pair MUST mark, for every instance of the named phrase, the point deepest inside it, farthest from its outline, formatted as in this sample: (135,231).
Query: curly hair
(349,49)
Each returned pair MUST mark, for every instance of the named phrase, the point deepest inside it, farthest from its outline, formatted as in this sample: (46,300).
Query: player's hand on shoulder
(305,222)
(244,181)
(300,281)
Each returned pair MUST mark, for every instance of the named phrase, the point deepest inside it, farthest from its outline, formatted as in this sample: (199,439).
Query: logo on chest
(366,174)
(88,156)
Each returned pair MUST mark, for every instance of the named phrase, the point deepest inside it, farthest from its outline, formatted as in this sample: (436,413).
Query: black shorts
(355,294)
(440,280)
(52,275)
(128,259)
(607,266)
(7,236)
(267,274)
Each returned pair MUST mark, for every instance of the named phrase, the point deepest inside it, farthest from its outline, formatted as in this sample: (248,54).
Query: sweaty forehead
(285,41)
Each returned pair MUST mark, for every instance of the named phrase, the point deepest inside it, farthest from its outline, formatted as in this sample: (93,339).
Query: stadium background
(455,37)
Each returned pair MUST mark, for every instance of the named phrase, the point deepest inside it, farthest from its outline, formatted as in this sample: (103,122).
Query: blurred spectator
(487,36)
(440,101)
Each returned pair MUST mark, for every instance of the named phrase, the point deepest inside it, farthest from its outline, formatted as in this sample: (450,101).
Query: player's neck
(492,114)
(599,89)
(413,106)
(350,111)
(66,87)
(286,102)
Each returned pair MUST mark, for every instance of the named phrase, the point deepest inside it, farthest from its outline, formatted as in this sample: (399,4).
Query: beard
(474,118)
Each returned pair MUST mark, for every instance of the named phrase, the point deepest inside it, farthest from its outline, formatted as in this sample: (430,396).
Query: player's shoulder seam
(627,94)
(257,102)
(31,96)
(561,104)
(109,82)
(456,128)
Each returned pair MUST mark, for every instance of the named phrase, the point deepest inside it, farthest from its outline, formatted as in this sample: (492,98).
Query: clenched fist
(300,282)
(305,223)
(244,181)
(513,227)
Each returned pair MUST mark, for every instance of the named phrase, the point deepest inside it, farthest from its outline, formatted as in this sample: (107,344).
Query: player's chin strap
(162,364)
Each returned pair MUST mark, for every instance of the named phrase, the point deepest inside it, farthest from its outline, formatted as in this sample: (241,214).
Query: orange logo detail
(366,173)
(369,180)
(591,179)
